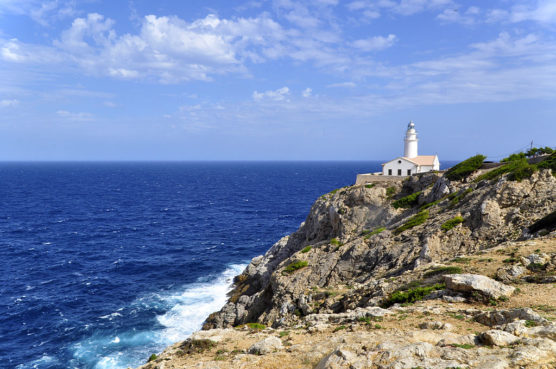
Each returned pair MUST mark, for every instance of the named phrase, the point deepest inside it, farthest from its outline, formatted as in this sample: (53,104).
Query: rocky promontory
(426,272)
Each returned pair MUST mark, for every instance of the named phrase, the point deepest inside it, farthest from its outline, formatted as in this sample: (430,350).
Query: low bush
(335,242)
(306,249)
(196,346)
(465,168)
(516,169)
(407,201)
(443,271)
(376,231)
(412,295)
(451,223)
(153,357)
(430,204)
(390,191)
(549,163)
(296,265)
(256,326)
(370,185)
(415,220)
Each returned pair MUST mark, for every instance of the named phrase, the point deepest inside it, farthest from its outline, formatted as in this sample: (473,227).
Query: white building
(411,162)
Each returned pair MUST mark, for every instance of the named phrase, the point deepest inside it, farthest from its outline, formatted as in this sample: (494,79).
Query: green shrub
(465,168)
(443,271)
(513,157)
(339,328)
(430,204)
(549,163)
(256,326)
(376,231)
(466,346)
(451,223)
(531,323)
(292,267)
(335,242)
(412,295)
(390,191)
(370,185)
(153,357)
(407,201)
(517,170)
(306,249)
(461,260)
(539,151)
(521,169)
(415,220)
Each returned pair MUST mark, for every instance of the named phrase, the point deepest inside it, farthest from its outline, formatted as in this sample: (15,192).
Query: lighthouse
(409,164)
(410,142)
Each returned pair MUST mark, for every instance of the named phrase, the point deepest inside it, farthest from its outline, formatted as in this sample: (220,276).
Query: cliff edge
(434,271)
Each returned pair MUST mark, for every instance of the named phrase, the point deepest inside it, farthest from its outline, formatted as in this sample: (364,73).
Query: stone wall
(373,178)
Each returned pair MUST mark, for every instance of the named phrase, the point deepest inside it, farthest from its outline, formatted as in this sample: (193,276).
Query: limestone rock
(543,332)
(510,274)
(266,346)
(495,337)
(477,283)
(436,325)
(338,359)
(499,317)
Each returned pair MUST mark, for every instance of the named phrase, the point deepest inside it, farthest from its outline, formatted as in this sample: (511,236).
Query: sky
(274,79)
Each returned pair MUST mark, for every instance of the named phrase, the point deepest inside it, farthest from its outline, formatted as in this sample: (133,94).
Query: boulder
(495,337)
(266,346)
(436,325)
(477,283)
(548,331)
(510,274)
(338,359)
(499,317)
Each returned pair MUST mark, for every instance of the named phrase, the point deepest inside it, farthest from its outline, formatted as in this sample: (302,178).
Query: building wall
(373,178)
(398,164)
(425,168)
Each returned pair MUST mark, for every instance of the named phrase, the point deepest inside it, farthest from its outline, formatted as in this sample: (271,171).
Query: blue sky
(275,79)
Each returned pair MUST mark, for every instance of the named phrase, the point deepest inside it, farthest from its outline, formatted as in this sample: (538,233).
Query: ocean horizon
(106,263)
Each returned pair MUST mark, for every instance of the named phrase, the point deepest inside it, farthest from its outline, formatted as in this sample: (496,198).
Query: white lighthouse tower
(410,146)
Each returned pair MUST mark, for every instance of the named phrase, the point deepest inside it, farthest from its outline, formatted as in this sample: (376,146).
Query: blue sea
(106,263)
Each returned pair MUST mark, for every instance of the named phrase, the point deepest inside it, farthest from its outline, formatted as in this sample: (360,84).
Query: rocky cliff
(359,241)
(421,273)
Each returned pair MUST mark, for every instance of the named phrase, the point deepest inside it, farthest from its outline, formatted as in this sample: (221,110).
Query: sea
(104,264)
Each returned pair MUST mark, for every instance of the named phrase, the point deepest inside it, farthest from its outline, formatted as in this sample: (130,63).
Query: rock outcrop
(357,243)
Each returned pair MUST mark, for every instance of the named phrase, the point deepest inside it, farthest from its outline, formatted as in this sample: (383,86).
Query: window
(399,172)
(409,172)
(389,172)
(399,161)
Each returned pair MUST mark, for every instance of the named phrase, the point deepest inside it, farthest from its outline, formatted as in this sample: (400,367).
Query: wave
(183,312)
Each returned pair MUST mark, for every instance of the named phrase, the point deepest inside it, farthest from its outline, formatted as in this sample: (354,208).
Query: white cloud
(8,103)
(468,17)
(307,92)
(76,117)
(375,43)
(373,8)
(342,84)
(42,12)
(280,94)
(543,12)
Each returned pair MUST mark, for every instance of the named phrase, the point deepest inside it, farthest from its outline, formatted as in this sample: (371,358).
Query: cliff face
(355,241)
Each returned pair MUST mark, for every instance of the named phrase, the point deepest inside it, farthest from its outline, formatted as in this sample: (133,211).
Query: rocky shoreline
(421,273)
